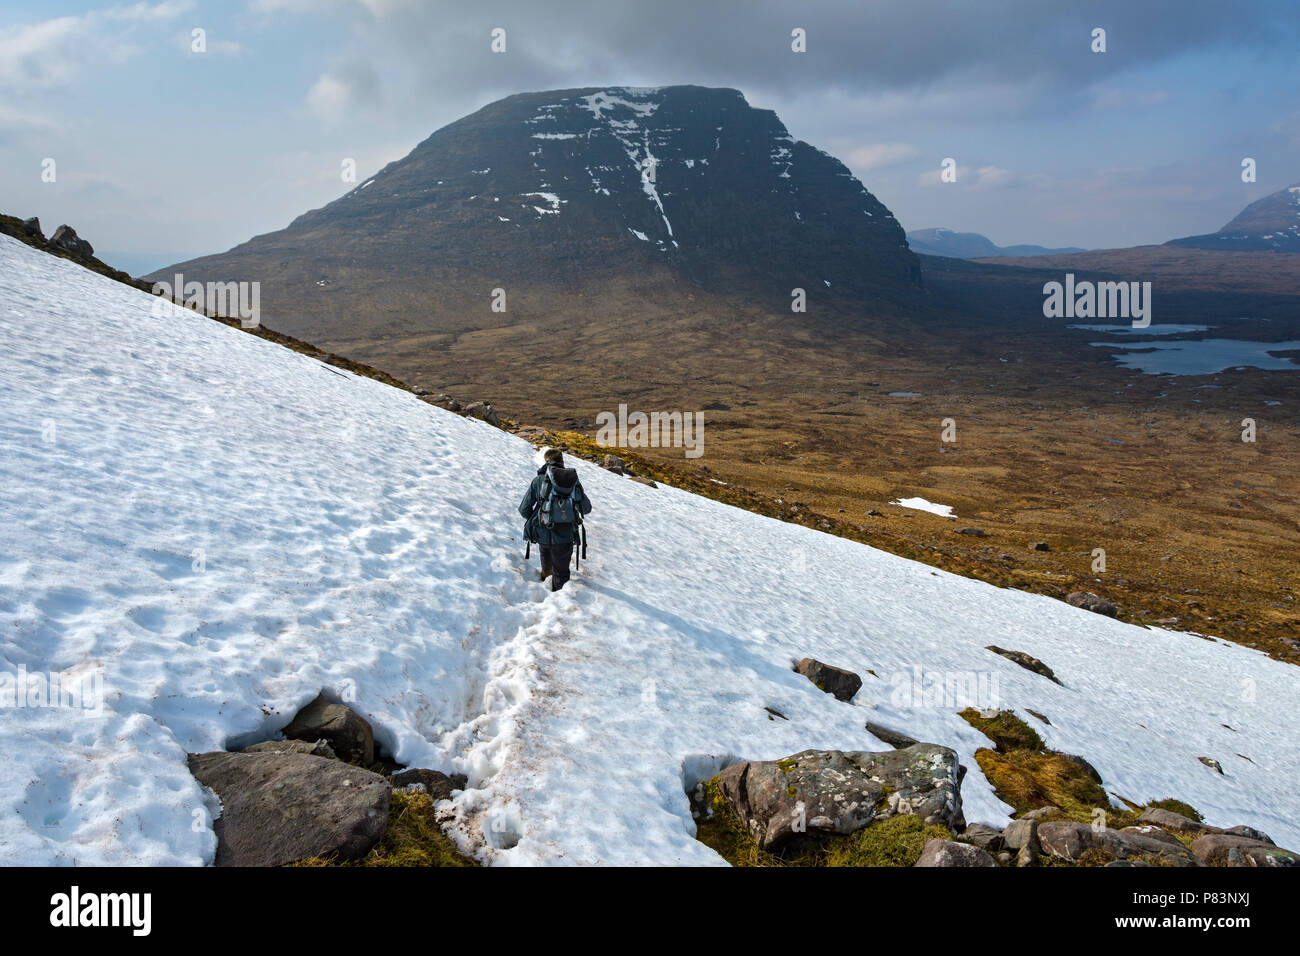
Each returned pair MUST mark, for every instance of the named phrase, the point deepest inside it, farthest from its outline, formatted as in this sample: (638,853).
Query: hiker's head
(554,456)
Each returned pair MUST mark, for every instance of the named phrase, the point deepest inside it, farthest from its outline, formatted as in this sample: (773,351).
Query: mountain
(971,245)
(226,527)
(1271,224)
(569,194)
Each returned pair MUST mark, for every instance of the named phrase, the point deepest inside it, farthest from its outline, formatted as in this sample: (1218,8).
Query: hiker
(553,510)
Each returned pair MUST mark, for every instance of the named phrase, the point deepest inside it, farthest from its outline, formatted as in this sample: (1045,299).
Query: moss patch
(413,838)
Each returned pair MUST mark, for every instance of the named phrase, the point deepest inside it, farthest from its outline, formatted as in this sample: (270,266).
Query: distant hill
(972,245)
(564,199)
(1271,224)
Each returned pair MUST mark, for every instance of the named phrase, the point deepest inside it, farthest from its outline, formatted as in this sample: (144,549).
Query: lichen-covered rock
(1213,849)
(1174,821)
(836,681)
(280,807)
(1068,840)
(949,853)
(839,792)
(347,732)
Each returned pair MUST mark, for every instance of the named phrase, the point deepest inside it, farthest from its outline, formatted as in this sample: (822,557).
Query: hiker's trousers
(557,558)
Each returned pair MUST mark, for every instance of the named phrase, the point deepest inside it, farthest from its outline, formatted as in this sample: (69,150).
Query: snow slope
(224,528)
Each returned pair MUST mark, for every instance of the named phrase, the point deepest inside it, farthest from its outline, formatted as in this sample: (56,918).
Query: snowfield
(221,529)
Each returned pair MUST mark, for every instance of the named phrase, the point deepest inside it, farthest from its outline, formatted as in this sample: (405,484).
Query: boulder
(66,240)
(949,853)
(345,730)
(1043,814)
(1042,546)
(280,807)
(1092,602)
(839,792)
(1019,834)
(615,464)
(1211,763)
(640,479)
(1068,840)
(1213,850)
(891,737)
(1174,821)
(836,681)
(973,532)
(1026,661)
(1244,831)
(318,748)
(983,836)
(437,785)
(32,227)
(1082,764)
(482,411)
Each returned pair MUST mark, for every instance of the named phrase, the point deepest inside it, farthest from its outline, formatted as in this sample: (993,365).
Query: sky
(162,151)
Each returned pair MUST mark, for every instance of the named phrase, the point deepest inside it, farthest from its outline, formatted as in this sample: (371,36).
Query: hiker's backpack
(558,506)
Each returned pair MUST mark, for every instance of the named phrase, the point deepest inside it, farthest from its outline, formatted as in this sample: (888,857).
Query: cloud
(52,53)
(880,154)
(334,94)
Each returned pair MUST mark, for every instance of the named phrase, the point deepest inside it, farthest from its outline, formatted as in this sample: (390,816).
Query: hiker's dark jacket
(536,493)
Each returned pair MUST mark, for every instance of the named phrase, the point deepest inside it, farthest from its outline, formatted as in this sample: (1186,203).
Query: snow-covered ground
(222,528)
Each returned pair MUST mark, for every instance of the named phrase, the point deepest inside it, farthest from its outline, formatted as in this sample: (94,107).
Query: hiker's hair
(554,456)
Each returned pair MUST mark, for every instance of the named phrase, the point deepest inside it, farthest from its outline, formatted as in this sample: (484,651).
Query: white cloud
(880,154)
(339,91)
(51,53)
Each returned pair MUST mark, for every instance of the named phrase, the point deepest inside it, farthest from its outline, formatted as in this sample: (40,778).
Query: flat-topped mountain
(1271,224)
(571,191)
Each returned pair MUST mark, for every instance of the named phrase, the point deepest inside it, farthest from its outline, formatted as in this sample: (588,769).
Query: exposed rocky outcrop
(840,683)
(1092,602)
(1028,662)
(949,853)
(839,792)
(346,731)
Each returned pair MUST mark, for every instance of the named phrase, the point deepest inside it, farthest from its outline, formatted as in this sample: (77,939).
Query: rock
(1042,546)
(1213,849)
(1091,602)
(949,853)
(1127,863)
(1067,840)
(641,479)
(1249,833)
(973,532)
(1155,833)
(32,227)
(65,239)
(983,836)
(836,681)
(891,737)
(1211,763)
(1026,661)
(1005,858)
(615,464)
(318,748)
(839,792)
(1021,833)
(437,785)
(346,731)
(1027,855)
(280,807)
(482,411)
(1043,814)
(1173,821)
